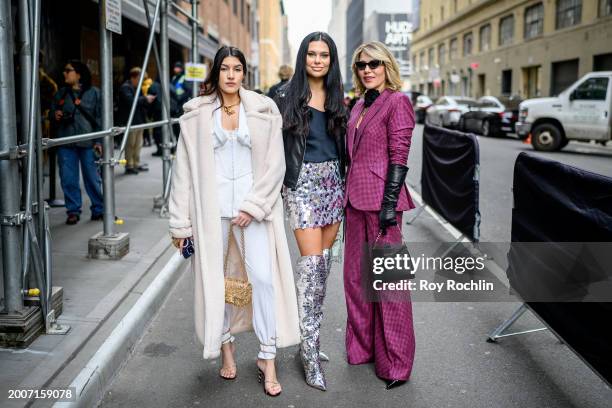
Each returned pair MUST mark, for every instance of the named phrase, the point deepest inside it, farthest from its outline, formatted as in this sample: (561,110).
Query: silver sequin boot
(327,255)
(311,276)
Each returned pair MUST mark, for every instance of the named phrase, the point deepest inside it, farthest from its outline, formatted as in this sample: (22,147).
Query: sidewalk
(95,291)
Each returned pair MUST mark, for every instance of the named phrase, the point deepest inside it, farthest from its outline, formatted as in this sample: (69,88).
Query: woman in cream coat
(205,199)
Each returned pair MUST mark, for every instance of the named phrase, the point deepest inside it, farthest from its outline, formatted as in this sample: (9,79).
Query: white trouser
(259,271)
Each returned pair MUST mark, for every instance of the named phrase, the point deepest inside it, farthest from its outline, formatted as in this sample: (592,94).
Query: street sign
(112,15)
(196,72)
(474,65)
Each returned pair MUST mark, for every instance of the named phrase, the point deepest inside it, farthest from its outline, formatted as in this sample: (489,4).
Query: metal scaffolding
(25,236)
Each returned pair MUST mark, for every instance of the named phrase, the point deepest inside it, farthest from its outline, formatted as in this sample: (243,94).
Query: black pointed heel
(394,383)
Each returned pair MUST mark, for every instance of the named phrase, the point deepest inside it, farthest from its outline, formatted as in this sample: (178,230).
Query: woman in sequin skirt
(314,126)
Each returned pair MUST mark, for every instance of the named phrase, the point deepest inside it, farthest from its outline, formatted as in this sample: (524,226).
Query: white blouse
(234,171)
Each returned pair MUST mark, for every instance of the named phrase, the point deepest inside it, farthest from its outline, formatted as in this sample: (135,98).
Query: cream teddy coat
(194,211)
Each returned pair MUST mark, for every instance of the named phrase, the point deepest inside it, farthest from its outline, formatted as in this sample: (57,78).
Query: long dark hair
(296,115)
(82,69)
(211,85)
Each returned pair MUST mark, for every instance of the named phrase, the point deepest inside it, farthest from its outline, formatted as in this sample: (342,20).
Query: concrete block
(112,247)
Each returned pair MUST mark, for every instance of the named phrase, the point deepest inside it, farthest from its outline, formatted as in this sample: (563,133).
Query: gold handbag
(238,292)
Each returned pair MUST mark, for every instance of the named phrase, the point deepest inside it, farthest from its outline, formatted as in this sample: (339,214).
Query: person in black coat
(285,72)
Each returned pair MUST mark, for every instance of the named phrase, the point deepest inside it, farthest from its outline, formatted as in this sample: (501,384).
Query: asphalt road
(454,366)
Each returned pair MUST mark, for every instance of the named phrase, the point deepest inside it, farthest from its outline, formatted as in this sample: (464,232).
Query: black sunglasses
(372,64)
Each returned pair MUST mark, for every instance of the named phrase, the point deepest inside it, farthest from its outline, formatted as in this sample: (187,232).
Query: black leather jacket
(295,148)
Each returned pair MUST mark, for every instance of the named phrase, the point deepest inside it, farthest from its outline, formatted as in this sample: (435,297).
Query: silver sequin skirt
(318,197)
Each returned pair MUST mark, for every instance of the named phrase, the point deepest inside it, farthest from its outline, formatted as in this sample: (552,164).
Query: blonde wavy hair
(379,51)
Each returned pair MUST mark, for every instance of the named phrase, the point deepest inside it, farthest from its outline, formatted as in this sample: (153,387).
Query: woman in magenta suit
(378,141)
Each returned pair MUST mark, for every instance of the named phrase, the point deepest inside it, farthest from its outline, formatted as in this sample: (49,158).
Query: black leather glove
(396,175)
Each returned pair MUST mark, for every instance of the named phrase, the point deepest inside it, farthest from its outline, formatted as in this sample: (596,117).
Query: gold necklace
(228,109)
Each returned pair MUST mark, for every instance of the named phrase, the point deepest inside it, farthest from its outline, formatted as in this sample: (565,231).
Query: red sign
(474,65)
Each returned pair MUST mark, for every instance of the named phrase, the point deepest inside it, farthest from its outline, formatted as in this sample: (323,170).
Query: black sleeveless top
(320,146)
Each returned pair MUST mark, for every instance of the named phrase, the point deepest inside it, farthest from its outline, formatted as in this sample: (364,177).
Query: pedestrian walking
(146,86)
(378,141)
(182,88)
(226,183)
(75,110)
(155,114)
(127,94)
(180,93)
(314,126)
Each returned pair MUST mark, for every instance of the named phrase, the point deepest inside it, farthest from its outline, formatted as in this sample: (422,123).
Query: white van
(581,112)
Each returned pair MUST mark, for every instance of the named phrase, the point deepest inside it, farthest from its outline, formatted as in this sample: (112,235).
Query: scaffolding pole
(33,247)
(165,75)
(106,80)
(194,42)
(9,170)
(25,84)
(163,65)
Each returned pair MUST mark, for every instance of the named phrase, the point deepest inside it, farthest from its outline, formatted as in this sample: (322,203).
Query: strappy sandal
(233,366)
(261,376)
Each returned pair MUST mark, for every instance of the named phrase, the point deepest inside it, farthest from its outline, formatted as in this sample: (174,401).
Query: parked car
(491,116)
(447,110)
(420,107)
(581,112)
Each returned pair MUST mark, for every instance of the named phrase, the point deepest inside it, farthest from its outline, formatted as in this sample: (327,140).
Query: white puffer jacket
(234,172)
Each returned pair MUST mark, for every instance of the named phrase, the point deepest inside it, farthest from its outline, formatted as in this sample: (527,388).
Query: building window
(442,13)
(454,49)
(569,13)
(506,30)
(235,6)
(506,82)
(441,54)
(605,8)
(422,59)
(485,38)
(242,12)
(430,58)
(414,62)
(468,39)
(534,21)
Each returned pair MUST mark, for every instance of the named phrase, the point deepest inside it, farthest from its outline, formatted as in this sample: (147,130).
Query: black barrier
(554,202)
(450,177)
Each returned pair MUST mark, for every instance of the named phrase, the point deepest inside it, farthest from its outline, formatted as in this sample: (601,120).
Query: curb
(90,384)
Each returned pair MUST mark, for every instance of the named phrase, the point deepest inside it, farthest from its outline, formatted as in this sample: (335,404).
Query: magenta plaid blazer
(383,137)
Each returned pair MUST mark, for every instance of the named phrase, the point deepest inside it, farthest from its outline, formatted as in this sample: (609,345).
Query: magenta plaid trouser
(379,331)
